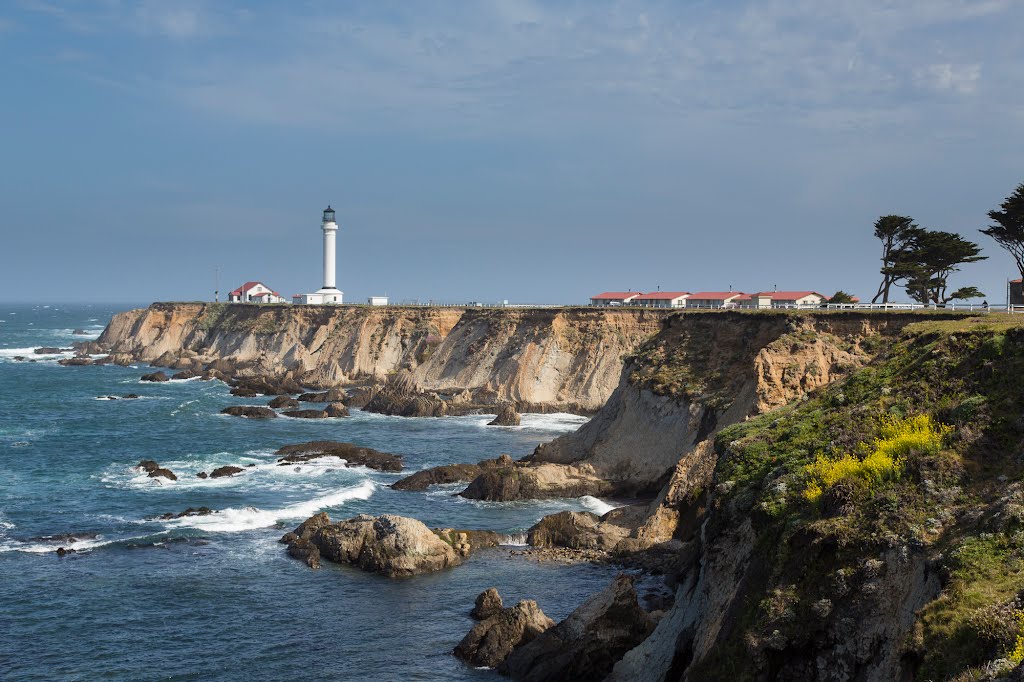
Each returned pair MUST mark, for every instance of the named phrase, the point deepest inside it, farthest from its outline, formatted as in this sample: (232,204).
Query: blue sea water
(216,597)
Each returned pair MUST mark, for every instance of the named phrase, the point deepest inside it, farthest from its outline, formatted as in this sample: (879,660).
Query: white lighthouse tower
(328,293)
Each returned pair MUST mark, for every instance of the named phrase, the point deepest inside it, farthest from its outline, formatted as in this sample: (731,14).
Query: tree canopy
(1008,227)
(930,258)
(895,232)
(841,297)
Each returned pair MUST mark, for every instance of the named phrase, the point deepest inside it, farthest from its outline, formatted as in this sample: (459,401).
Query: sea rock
(49,350)
(283,401)
(507,416)
(130,396)
(465,542)
(62,551)
(587,531)
(449,473)
(588,643)
(221,472)
(354,455)
(75,361)
(336,410)
(155,376)
(250,411)
(488,603)
(534,482)
(155,470)
(395,546)
(185,374)
(305,414)
(202,474)
(299,541)
(335,395)
(492,640)
(80,332)
(244,392)
(191,511)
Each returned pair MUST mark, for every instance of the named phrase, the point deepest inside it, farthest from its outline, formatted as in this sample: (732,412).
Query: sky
(536,152)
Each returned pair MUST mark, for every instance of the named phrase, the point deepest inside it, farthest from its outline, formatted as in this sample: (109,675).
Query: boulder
(336,410)
(335,395)
(191,511)
(80,332)
(221,472)
(49,350)
(62,551)
(507,416)
(488,603)
(155,470)
(305,414)
(244,392)
(467,541)
(492,640)
(588,643)
(354,455)
(155,376)
(185,374)
(536,482)
(130,396)
(250,411)
(299,541)
(283,401)
(202,474)
(583,530)
(395,546)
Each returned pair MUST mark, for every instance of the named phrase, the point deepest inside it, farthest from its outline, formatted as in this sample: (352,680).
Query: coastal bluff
(542,359)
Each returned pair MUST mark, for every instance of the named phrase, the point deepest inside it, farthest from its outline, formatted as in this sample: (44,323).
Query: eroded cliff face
(538,358)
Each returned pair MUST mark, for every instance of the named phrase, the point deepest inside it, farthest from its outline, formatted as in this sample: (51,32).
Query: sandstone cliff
(537,358)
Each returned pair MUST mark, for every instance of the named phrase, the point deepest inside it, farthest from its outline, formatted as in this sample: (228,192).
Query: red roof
(1016,281)
(616,295)
(246,287)
(716,295)
(264,293)
(789,295)
(661,295)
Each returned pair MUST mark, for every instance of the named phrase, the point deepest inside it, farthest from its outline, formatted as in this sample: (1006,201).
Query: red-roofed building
(614,298)
(785,299)
(662,299)
(714,299)
(255,292)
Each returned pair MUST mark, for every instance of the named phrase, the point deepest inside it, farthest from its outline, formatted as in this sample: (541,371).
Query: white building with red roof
(714,299)
(662,299)
(785,299)
(614,298)
(255,292)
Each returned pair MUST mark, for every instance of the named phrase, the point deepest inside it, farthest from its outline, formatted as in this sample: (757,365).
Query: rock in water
(491,641)
(393,545)
(507,416)
(220,472)
(336,410)
(488,603)
(305,414)
(284,401)
(250,411)
(76,361)
(155,376)
(155,470)
(449,473)
(354,455)
(588,643)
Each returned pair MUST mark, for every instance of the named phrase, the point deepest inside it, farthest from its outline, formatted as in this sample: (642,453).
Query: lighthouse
(330,228)
(328,293)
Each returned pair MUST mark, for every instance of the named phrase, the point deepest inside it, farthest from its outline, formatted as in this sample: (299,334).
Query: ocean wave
(233,520)
(596,506)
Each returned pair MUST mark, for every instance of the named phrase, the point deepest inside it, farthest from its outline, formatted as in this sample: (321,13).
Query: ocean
(216,597)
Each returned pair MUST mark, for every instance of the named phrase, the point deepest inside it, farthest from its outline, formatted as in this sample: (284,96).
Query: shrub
(898,437)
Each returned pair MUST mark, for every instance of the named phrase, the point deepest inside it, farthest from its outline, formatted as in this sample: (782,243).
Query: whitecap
(232,519)
(596,506)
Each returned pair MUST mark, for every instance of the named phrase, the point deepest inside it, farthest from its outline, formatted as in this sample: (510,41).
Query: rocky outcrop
(305,414)
(249,411)
(155,470)
(531,481)
(395,546)
(335,395)
(488,603)
(583,530)
(353,455)
(221,472)
(77,361)
(545,359)
(336,410)
(491,641)
(450,473)
(587,644)
(507,416)
(465,542)
(156,377)
(283,401)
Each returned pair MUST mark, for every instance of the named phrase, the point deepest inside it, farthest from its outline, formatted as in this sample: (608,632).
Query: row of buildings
(709,299)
